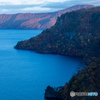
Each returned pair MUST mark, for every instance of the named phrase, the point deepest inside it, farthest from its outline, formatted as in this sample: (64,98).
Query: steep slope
(86,80)
(33,21)
(75,33)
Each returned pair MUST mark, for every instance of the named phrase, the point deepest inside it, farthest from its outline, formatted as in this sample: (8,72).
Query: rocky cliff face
(33,21)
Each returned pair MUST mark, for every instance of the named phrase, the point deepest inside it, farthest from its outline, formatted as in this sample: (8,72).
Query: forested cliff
(75,33)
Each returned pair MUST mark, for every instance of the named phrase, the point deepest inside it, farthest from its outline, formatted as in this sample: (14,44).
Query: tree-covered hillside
(75,33)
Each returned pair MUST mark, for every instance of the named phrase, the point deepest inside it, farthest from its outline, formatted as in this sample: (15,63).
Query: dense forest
(75,33)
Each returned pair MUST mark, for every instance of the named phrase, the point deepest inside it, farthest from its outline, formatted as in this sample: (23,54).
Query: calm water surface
(24,75)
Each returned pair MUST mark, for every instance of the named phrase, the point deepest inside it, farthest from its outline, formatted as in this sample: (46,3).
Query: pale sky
(40,6)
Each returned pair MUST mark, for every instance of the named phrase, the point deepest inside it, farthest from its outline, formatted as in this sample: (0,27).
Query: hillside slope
(33,21)
(75,33)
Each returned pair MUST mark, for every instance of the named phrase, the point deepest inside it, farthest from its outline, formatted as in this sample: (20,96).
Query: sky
(40,6)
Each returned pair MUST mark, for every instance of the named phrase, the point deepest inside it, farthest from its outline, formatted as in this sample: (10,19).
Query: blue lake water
(24,75)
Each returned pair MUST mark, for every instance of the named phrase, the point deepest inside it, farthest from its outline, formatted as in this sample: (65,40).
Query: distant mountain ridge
(34,21)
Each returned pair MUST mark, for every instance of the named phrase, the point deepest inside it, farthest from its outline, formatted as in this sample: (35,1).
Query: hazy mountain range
(34,20)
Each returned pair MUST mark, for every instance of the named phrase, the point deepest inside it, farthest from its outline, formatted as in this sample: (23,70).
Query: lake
(24,75)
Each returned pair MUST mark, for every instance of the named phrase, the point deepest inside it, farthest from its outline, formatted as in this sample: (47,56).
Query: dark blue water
(24,75)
